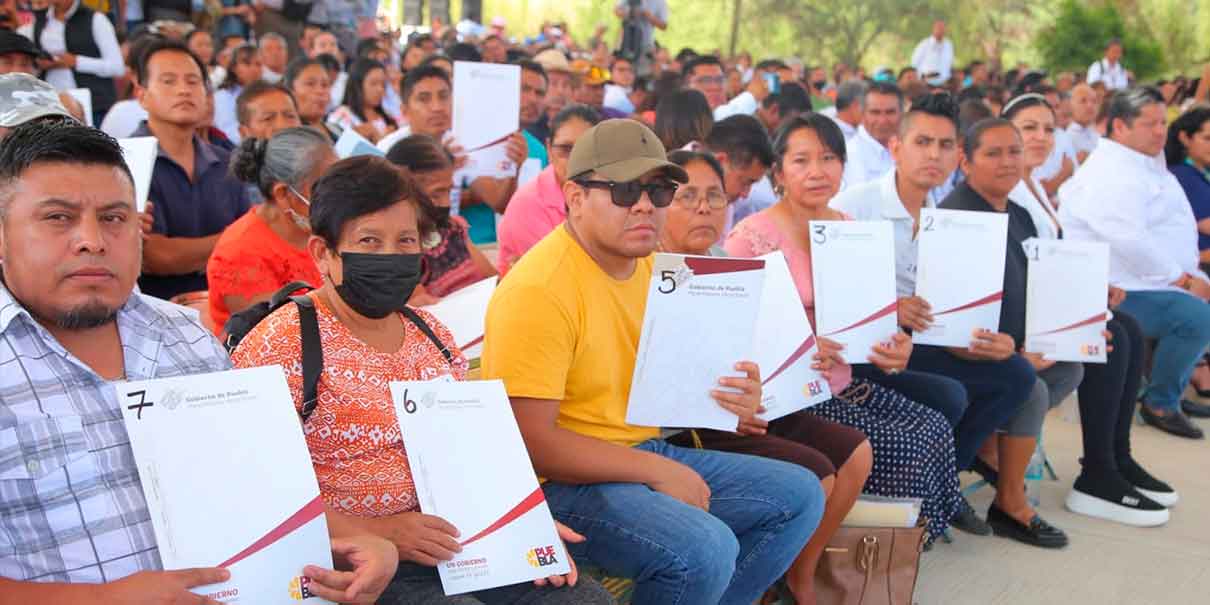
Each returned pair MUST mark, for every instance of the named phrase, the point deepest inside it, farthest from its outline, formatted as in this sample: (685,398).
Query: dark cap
(12,42)
(621,150)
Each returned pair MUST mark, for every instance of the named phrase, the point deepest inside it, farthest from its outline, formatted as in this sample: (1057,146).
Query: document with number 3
(471,468)
(853,266)
(228,481)
(700,320)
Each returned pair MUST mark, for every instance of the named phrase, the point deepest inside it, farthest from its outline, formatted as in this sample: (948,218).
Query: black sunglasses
(628,193)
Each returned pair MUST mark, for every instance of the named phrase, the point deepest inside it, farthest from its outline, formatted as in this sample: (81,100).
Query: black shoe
(1146,484)
(1175,423)
(1037,533)
(1107,495)
(985,470)
(967,520)
(1194,409)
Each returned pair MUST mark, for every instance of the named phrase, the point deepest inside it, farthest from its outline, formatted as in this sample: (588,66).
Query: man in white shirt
(83,48)
(1083,127)
(1062,161)
(934,56)
(617,91)
(273,57)
(847,112)
(1125,196)
(705,74)
(869,156)
(1109,70)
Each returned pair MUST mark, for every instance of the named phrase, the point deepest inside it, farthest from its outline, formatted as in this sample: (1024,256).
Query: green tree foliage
(1079,33)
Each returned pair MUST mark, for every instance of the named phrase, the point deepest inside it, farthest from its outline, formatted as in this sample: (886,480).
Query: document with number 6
(471,468)
(1066,295)
(228,481)
(960,272)
(700,320)
(853,267)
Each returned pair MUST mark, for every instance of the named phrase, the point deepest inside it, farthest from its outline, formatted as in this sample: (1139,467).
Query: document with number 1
(700,320)
(1067,293)
(228,481)
(471,468)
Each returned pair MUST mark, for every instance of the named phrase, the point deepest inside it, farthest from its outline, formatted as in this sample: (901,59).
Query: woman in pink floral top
(913,445)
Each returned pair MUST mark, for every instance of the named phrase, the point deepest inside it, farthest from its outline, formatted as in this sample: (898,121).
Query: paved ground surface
(1106,563)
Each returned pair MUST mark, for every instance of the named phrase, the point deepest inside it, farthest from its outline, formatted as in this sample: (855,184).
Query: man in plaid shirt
(74,525)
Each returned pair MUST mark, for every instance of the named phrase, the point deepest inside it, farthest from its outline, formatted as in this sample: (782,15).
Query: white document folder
(700,320)
(853,266)
(487,103)
(471,468)
(785,345)
(464,313)
(140,154)
(960,272)
(1067,292)
(228,480)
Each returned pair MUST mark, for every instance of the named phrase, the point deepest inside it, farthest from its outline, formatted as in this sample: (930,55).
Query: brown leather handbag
(870,566)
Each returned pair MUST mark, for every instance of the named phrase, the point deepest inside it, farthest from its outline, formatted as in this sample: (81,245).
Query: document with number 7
(1066,295)
(700,320)
(853,268)
(471,468)
(228,481)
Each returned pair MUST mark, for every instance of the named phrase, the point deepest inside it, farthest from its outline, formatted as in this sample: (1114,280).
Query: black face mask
(376,285)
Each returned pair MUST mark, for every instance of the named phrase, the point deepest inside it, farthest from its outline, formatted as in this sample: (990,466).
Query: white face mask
(301,221)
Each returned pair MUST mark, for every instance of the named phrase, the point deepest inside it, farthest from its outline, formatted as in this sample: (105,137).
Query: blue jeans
(762,512)
(997,390)
(940,393)
(1181,324)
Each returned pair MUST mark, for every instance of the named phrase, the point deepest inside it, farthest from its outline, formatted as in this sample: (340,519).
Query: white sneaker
(1165,499)
(1139,512)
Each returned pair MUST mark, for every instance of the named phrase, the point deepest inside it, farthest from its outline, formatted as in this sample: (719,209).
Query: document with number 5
(228,481)
(471,468)
(853,268)
(700,320)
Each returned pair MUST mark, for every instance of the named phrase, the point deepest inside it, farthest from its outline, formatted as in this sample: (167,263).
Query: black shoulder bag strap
(415,318)
(312,353)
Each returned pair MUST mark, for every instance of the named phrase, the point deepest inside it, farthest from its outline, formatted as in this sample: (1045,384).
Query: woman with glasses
(267,247)
(538,207)
(838,455)
(913,444)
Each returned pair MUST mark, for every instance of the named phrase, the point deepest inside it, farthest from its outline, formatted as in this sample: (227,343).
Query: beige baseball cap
(24,98)
(552,59)
(621,150)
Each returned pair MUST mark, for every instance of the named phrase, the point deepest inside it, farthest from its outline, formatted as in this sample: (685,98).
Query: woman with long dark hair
(243,68)
(362,108)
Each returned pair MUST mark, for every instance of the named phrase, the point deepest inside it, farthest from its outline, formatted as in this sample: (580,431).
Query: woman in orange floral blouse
(369,220)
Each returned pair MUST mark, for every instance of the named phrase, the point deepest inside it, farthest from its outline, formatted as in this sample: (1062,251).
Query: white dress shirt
(1054,163)
(54,41)
(123,119)
(1083,138)
(744,104)
(617,97)
(878,200)
(933,55)
(1042,211)
(849,130)
(1131,201)
(225,118)
(1114,76)
(869,159)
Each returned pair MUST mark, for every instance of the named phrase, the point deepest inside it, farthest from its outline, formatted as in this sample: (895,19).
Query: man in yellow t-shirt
(689,526)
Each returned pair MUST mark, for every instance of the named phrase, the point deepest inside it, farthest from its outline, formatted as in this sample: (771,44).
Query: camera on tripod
(632,32)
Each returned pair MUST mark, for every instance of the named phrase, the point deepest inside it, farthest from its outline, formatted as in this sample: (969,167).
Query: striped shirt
(71,504)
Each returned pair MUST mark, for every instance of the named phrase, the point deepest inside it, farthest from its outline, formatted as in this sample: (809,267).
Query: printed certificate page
(228,481)
(853,266)
(700,320)
(464,312)
(139,153)
(471,468)
(960,272)
(1066,294)
(785,345)
(487,103)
